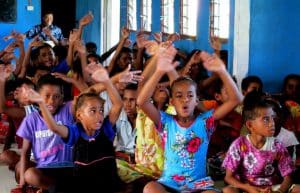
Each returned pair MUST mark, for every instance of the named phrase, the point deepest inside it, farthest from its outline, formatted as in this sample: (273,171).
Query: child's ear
(249,124)
(78,115)
(217,96)
(171,101)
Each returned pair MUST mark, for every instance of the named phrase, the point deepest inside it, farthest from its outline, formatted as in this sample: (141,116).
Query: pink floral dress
(185,153)
(258,167)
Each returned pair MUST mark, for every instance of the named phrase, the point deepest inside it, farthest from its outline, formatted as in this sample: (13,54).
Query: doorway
(64,13)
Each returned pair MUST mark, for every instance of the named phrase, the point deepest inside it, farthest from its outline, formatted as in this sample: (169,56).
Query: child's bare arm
(164,65)
(215,64)
(231,180)
(286,184)
(24,160)
(125,34)
(34,97)
(101,75)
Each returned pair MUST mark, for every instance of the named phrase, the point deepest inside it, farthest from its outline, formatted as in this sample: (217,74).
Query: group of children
(78,119)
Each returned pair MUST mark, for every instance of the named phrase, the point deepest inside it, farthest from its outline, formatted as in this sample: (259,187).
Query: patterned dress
(185,153)
(258,167)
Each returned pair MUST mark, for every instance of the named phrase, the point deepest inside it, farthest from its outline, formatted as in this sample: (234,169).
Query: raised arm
(215,64)
(101,75)
(85,20)
(112,64)
(164,65)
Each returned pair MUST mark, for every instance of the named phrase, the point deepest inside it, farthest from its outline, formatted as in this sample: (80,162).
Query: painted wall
(25,20)
(92,31)
(274,41)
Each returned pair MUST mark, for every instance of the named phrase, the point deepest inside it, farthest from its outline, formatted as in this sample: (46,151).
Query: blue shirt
(38,30)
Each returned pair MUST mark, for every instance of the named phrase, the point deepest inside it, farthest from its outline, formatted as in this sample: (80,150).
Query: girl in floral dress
(255,162)
(185,135)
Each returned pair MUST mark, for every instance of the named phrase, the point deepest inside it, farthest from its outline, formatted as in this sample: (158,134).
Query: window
(167,18)
(219,18)
(146,16)
(131,15)
(188,17)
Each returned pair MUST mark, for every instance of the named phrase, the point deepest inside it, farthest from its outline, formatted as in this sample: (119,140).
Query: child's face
(46,57)
(184,98)
(129,101)
(125,59)
(161,94)
(292,87)
(222,96)
(90,114)
(252,86)
(264,124)
(52,96)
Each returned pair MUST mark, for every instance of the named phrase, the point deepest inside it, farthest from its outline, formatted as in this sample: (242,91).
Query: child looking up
(185,135)
(94,157)
(253,161)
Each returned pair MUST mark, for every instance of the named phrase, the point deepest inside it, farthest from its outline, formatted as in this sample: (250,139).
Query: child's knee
(152,187)
(33,176)
(229,189)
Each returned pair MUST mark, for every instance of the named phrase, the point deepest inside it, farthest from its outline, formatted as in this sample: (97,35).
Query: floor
(7,179)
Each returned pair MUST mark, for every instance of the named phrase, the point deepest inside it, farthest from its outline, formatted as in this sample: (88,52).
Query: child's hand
(5,72)
(212,62)
(128,76)
(88,18)
(125,32)
(173,37)
(74,35)
(36,42)
(141,39)
(165,60)
(98,72)
(30,95)
(63,77)
(80,47)
(157,37)
(215,43)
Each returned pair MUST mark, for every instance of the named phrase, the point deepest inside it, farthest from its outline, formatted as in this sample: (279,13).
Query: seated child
(253,161)
(53,158)
(185,135)
(94,157)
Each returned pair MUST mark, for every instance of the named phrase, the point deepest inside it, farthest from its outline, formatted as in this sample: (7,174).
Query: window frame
(128,16)
(142,15)
(164,33)
(212,17)
(182,35)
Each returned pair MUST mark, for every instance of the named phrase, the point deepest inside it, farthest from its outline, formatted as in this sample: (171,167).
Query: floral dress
(258,167)
(185,153)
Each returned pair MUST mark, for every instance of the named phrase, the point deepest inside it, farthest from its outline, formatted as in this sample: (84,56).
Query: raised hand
(212,62)
(5,72)
(141,39)
(151,47)
(215,43)
(173,37)
(36,42)
(88,18)
(10,47)
(165,60)
(30,95)
(79,46)
(100,74)
(74,35)
(125,32)
(62,76)
(157,37)
(128,76)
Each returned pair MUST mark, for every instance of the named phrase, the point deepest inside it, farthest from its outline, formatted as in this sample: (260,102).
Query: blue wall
(25,20)
(274,41)
(91,31)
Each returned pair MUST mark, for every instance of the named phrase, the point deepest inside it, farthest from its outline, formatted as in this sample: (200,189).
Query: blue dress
(185,153)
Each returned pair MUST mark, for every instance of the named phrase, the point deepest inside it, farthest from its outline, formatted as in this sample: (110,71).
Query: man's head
(48,19)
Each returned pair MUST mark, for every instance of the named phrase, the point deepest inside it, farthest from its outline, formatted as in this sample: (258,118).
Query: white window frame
(219,18)
(146,15)
(188,18)
(131,15)
(167,16)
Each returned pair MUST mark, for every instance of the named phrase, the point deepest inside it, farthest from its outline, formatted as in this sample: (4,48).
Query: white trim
(241,39)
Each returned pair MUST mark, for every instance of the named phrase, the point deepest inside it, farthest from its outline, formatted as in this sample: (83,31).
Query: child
(94,157)
(253,160)
(53,158)
(185,135)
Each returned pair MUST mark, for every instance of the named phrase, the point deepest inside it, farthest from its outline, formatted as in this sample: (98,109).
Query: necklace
(185,119)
